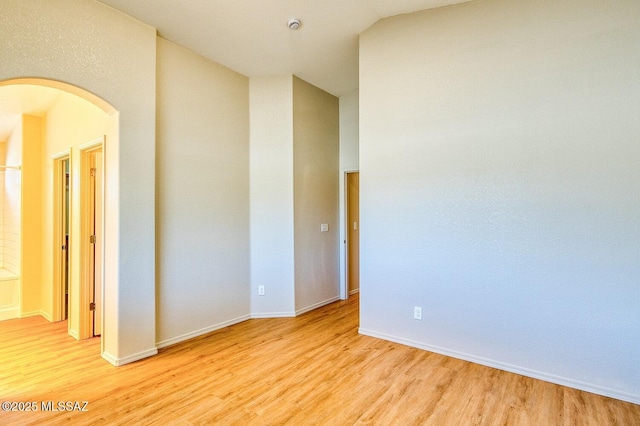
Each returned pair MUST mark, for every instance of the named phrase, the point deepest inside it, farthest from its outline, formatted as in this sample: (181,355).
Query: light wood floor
(310,370)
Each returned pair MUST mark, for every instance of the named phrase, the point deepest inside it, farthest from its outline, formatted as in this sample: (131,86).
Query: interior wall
(31,218)
(315,171)
(499,155)
(119,68)
(349,162)
(13,202)
(271,164)
(202,207)
(10,242)
(3,160)
(70,123)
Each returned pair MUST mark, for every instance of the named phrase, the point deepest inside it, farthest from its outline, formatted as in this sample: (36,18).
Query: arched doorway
(56,123)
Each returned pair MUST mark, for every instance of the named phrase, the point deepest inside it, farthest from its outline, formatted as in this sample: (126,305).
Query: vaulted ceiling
(252,36)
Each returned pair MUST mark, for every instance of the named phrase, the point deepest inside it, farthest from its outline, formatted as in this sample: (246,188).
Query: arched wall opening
(42,121)
(118,67)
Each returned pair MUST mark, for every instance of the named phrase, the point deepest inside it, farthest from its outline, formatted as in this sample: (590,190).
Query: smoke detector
(294,24)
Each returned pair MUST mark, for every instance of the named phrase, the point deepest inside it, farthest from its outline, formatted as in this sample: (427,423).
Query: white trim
(317,305)
(9,313)
(95,143)
(109,358)
(74,333)
(30,314)
(117,362)
(86,324)
(46,316)
(62,154)
(352,292)
(41,313)
(552,378)
(267,315)
(191,335)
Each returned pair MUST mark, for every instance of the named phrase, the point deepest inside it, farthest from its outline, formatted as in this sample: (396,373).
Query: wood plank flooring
(311,370)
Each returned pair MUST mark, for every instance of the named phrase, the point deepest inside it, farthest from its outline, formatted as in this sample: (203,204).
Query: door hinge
(92,239)
(64,247)
(92,306)
(93,171)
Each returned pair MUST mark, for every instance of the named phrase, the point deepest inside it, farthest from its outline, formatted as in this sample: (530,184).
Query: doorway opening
(61,223)
(352,232)
(92,231)
(59,118)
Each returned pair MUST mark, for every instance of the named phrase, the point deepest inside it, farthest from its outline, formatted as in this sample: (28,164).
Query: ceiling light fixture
(294,24)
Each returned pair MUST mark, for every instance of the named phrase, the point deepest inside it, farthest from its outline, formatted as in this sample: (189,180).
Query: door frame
(86,322)
(59,218)
(345,287)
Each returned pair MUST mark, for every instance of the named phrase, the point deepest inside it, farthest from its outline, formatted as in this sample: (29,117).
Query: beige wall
(202,187)
(203,194)
(294,189)
(499,187)
(32,220)
(315,171)
(271,163)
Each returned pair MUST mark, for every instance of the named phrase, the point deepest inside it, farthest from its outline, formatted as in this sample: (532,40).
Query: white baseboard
(317,305)
(273,315)
(109,358)
(297,312)
(74,333)
(191,335)
(558,380)
(43,314)
(117,362)
(11,313)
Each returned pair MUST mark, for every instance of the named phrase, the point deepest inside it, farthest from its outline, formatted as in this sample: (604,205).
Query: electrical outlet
(417,312)
(260,290)
(324,227)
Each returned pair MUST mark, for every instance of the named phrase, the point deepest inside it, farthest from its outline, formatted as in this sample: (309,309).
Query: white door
(96,238)
(98,248)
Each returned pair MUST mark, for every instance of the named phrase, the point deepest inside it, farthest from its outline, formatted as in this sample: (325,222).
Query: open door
(61,237)
(67,231)
(353,233)
(92,241)
(98,246)
(95,240)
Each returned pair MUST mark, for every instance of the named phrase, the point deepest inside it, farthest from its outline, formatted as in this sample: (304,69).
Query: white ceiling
(23,99)
(252,37)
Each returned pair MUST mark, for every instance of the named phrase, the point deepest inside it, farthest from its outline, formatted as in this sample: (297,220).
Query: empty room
(314,212)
